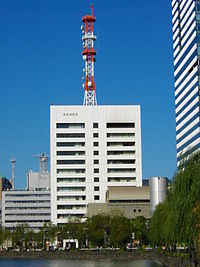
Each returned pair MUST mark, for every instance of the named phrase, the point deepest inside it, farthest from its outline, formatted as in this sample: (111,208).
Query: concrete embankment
(169,261)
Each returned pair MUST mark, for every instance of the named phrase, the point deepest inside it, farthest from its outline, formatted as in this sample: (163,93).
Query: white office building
(186,46)
(91,148)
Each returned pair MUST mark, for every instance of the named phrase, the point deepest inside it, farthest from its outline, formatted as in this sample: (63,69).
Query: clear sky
(41,64)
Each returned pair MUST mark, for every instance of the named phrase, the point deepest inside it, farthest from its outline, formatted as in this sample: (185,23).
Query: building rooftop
(128,192)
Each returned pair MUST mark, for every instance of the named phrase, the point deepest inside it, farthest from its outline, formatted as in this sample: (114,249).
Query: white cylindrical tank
(158,191)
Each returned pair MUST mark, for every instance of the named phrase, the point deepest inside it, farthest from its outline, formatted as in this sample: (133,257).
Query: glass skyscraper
(186,47)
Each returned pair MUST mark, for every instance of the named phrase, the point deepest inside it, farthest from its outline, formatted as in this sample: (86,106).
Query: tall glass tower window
(186,52)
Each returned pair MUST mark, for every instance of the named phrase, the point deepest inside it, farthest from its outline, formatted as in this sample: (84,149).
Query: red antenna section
(88,53)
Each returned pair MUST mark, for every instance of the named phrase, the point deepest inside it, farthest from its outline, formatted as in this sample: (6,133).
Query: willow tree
(177,220)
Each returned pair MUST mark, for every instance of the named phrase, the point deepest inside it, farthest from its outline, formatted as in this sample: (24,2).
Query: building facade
(91,148)
(186,46)
(26,207)
(129,201)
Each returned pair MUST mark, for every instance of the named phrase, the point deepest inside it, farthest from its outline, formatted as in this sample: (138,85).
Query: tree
(120,231)
(139,227)
(176,221)
(18,236)
(98,228)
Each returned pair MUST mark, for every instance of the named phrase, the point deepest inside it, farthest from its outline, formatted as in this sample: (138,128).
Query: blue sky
(41,64)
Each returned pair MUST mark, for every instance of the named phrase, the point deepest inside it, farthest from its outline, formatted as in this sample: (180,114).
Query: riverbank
(168,261)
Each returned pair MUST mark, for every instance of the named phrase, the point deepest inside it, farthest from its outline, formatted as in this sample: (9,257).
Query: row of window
(71,180)
(73,171)
(121,170)
(27,214)
(96,153)
(96,161)
(78,188)
(82,144)
(96,179)
(26,195)
(121,179)
(27,201)
(95,125)
(96,197)
(95,135)
(96,170)
(70,216)
(70,153)
(62,198)
(70,144)
(70,162)
(66,188)
(70,207)
(27,208)
(26,221)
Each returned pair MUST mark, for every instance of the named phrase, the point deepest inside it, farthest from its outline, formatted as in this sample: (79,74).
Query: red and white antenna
(88,56)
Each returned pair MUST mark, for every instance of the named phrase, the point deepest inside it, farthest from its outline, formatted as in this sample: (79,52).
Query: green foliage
(140,228)
(120,231)
(176,221)
(98,228)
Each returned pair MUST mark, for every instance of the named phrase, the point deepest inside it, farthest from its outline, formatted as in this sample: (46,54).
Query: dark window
(70,153)
(96,161)
(120,143)
(96,153)
(96,170)
(96,144)
(96,188)
(95,125)
(95,135)
(70,162)
(70,125)
(121,161)
(139,210)
(70,135)
(96,179)
(121,125)
(96,197)
(72,144)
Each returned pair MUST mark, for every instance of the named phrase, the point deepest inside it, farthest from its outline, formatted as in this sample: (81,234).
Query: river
(76,263)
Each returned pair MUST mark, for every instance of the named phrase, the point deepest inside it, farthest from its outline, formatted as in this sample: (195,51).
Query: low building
(26,207)
(129,201)
(31,206)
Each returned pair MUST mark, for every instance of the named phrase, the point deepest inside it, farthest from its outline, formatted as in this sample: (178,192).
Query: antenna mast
(88,56)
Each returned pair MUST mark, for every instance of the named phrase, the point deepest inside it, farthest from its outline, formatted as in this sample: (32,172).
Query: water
(76,263)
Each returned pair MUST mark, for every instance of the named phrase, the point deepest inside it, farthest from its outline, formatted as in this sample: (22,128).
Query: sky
(41,64)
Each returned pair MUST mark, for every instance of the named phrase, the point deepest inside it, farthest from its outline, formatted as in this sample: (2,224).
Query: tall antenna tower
(88,56)
(43,162)
(13,160)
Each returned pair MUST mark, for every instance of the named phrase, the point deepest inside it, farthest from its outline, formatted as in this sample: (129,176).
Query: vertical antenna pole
(89,57)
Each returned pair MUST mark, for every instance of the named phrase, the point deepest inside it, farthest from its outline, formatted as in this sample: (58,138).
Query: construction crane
(43,162)
(13,160)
